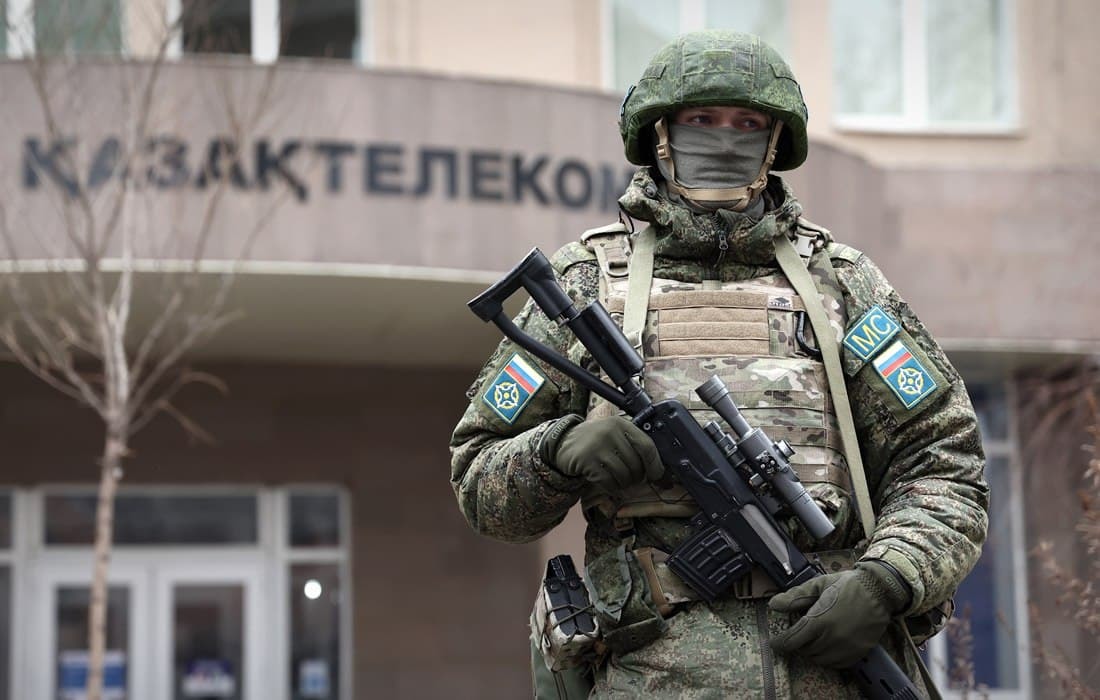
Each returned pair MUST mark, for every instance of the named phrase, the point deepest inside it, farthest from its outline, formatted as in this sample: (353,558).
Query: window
(267,29)
(142,519)
(923,64)
(316,574)
(314,519)
(991,600)
(217,26)
(640,27)
(321,28)
(315,609)
(77,26)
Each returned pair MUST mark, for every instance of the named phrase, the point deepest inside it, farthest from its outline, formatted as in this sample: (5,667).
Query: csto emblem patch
(870,333)
(513,388)
(908,378)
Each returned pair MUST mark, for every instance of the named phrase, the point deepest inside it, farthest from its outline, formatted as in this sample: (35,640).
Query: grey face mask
(708,157)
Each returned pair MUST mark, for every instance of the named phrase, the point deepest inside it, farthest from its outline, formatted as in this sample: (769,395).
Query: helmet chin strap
(740,196)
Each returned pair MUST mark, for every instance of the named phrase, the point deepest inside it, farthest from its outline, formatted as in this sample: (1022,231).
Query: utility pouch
(623,602)
(562,624)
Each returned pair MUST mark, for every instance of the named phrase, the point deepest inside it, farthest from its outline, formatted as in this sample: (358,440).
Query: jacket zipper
(723,246)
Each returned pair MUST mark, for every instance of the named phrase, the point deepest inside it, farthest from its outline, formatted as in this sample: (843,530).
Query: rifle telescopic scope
(770,460)
(714,393)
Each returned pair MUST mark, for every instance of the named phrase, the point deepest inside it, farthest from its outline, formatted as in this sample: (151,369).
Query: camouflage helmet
(715,67)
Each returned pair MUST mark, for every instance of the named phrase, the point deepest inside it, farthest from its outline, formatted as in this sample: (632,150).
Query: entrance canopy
(314,313)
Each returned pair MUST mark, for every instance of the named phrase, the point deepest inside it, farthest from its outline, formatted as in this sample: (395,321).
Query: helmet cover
(715,67)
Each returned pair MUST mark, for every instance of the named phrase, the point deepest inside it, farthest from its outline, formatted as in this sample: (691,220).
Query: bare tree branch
(37,365)
(192,428)
(198,330)
(78,343)
(184,378)
(59,360)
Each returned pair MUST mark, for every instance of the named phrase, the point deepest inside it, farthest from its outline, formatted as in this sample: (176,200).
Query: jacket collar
(712,238)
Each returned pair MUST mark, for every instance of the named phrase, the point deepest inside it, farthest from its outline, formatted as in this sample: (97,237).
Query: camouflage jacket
(924,464)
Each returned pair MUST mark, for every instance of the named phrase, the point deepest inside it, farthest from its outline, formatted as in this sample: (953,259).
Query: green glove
(845,616)
(611,453)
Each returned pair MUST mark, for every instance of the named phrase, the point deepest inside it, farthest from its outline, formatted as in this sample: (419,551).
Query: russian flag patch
(906,376)
(513,388)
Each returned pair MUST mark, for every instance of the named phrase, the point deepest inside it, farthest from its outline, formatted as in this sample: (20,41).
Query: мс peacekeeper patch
(513,388)
(904,373)
(870,333)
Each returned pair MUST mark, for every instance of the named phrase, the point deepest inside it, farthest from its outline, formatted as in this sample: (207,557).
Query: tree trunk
(110,472)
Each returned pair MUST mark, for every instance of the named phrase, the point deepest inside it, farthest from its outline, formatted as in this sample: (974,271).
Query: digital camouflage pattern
(715,67)
(924,467)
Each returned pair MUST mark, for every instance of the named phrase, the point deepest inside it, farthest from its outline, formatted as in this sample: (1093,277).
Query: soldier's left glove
(845,616)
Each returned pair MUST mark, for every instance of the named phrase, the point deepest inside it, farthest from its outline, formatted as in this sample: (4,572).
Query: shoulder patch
(903,372)
(839,251)
(870,333)
(513,388)
(571,254)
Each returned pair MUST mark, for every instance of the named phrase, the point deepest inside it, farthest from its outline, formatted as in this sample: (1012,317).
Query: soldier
(700,292)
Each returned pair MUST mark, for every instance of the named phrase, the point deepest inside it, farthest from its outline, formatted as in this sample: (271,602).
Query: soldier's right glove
(611,452)
(845,614)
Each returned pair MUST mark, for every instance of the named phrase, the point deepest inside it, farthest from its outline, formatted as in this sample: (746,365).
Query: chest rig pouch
(562,625)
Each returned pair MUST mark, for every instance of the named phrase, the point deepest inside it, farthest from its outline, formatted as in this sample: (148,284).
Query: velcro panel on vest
(712,338)
(716,301)
(786,397)
(711,322)
(679,298)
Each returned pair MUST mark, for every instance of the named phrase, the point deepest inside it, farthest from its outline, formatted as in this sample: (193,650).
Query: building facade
(370,166)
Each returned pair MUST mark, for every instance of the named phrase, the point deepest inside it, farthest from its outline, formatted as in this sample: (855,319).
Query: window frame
(265,31)
(939,660)
(19,19)
(287,556)
(271,553)
(914,118)
(84,489)
(693,17)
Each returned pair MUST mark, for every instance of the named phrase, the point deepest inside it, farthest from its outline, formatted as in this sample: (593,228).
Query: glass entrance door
(71,651)
(173,633)
(235,592)
(211,638)
(58,638)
